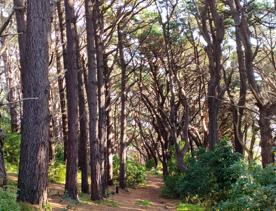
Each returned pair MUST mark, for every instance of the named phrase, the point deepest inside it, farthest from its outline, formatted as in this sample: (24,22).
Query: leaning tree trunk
(238,111)
(96,183)
(33,167)
(72,99)
(264,107)
(214,53)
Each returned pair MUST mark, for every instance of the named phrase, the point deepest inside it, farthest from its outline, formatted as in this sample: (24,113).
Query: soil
(142,198)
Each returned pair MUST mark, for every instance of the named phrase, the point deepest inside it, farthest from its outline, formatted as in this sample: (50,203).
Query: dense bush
(136,172)
(254,190)
(8,199)
(220,178)
(150,164)
(57,173)
(11,148)
(12,142)
(59,153)
(209,175)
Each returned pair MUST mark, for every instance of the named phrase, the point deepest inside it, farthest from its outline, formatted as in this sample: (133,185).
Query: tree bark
(266,135)
(96,183)
(19,7)
(122,149)
(72,99)
(59,32)
(264,122)
(83,132)
(101,90)
(33,167)
(11,93)
(213,35)
(109,153)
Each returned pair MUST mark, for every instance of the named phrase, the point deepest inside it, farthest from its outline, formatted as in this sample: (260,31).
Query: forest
(137,105)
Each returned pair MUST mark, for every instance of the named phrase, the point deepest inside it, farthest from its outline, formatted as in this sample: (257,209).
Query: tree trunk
(33,167)
(214,53)
(19,7)
(96,183)
(164,148)
(109,159)
(122,149)
(101,90)
(11,93)
(264,122)
(239,110)
(72,99)
(83,133)
(266,135)
(59,32)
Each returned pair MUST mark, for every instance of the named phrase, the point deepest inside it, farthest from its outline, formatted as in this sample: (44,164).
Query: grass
(27,207)
(144,203)
(188,207)
(11,168)
(84,198)
(108,202)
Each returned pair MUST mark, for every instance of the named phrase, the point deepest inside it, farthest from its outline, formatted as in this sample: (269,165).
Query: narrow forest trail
(126,200)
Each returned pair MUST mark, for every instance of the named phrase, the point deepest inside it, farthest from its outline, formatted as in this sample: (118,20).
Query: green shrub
(208,177)
(221,179)
(12,148)
(135,172)
(188,207)
(59,153)
(12,140)
(170,189)
(150,164)
(8,199)
(57,173)
(254,190)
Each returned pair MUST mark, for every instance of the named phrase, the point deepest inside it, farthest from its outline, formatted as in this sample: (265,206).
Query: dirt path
(144,198)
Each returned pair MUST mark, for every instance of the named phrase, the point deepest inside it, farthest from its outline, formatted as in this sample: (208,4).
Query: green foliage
(254,190)
(8,199)
(109,203)
(11,148)
(12,142)
(136,172)
(150,164)
(28,207)
(144,203)
(59,153)
(47,207)
(188,207)
(57,173)
(157,171)
(209,175)
(220,178)
(11,168)
(170,188)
